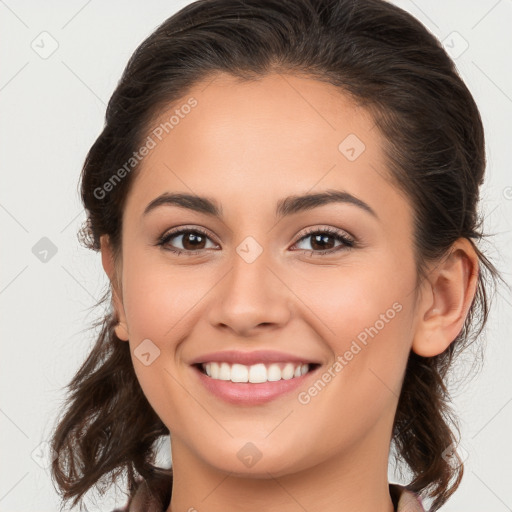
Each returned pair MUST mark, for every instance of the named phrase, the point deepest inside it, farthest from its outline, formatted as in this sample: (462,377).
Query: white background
(51,112)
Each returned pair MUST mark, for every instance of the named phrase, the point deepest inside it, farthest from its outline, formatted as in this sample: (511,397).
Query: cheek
(370,342)
(365,316)
(159,304)
(350,299)
(160,299)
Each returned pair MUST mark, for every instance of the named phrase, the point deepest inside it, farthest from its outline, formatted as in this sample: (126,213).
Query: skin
(247,145)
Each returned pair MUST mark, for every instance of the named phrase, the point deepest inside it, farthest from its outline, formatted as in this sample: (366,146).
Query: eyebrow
(287,206)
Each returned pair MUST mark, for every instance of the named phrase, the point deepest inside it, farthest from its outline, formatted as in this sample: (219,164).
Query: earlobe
(121,331)
(448,295)
(107,259)
(121,328)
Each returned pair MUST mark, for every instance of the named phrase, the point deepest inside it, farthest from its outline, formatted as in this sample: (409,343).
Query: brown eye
(323,241)
(192,241)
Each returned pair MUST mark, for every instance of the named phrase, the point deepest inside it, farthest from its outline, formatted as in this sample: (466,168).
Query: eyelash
(348,243)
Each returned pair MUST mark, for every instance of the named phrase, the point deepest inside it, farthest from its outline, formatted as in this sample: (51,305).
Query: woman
(285,200)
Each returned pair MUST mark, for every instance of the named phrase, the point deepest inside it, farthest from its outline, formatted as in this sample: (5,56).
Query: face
(273,280)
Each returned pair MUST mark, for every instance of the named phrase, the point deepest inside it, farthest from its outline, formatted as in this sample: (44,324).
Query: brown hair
(386,61)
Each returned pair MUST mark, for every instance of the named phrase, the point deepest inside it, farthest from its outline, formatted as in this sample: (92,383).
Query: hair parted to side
(385,60)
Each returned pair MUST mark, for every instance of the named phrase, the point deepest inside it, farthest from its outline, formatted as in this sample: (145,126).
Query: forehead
(248,143)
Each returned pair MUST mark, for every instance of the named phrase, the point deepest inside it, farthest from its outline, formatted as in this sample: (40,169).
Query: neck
(354,479)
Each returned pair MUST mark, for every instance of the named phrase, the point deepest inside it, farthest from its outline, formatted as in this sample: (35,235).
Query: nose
(251,297)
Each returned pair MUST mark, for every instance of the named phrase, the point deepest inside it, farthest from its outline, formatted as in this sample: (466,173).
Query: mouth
(258,373)
(240,391)
(253,378)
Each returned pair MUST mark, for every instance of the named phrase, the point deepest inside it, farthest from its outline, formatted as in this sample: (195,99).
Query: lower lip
(250,393)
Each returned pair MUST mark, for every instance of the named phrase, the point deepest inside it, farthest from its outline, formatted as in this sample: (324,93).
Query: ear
(447,296)
(108,262)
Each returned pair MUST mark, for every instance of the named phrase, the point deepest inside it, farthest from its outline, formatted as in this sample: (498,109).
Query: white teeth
(239,373)
(273,373)
(288,371)
(224,371)
(256,373)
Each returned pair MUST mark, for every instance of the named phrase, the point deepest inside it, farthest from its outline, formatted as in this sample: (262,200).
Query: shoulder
(405,500)
(151,495)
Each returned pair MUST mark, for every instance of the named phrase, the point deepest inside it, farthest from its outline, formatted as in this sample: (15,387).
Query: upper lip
(249,358)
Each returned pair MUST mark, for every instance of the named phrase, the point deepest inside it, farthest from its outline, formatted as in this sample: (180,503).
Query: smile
(256,373)
(256,384)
